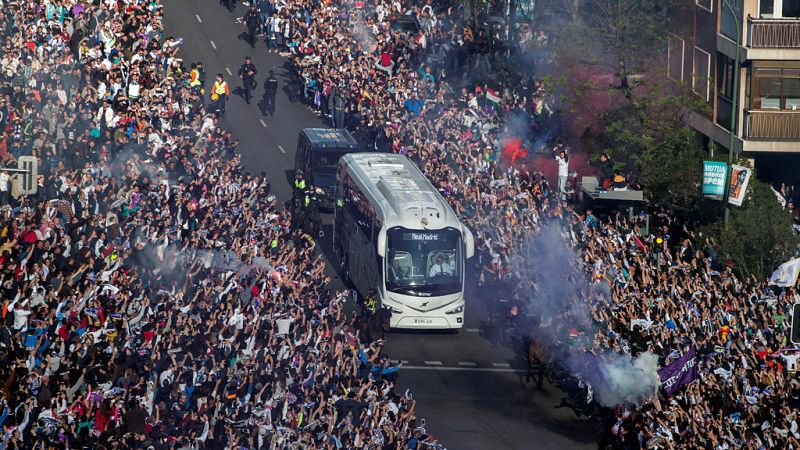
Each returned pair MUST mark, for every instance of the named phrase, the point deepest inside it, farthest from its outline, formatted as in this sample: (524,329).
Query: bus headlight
(457,310)
(393,309)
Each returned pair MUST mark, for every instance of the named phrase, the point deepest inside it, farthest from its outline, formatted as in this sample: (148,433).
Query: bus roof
(400,192)
(322,138)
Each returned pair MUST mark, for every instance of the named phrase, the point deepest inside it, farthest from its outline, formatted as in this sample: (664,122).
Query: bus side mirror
(382,243)
(469,241)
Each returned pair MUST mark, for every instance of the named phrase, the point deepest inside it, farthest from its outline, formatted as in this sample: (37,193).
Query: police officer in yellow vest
(299,188)
(219,94)
(369,305)
(311,221)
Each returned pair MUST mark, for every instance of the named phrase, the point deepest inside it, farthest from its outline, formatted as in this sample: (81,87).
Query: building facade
(703,53)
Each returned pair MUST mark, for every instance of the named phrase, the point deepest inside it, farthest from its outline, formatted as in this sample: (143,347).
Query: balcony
(775,39)
(772,125)
(774,33)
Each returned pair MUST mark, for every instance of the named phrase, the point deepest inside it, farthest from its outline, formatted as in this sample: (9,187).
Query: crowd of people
(669,290)
(154,294)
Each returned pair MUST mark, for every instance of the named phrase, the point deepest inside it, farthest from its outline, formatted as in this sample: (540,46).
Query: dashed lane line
(467,364)
(281,149)
(501,365)
(433,363)
(229,71)
(198,18)
(473,330)
(263,124)
(214,45)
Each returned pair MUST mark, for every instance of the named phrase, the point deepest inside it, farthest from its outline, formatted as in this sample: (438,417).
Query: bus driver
(441,267)
(395,272)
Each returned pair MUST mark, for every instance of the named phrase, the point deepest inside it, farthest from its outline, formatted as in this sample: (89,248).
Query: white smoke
(563,292)
(627,380)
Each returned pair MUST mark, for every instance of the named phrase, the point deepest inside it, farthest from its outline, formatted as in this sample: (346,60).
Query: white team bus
(393,232)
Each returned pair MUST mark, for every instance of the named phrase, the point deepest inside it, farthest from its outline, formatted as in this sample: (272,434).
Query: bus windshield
(424,262)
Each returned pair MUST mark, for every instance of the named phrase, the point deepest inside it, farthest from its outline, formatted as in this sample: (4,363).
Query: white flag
(786,275)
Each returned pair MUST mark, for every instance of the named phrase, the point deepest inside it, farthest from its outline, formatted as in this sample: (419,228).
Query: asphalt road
(473,395)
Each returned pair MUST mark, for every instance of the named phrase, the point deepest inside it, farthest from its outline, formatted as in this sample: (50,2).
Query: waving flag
(492,96)
(682,371)
(786,275)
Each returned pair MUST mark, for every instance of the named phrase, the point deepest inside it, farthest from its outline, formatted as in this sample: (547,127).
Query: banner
(740,176)
(714,179)
(786,275)
(682,371)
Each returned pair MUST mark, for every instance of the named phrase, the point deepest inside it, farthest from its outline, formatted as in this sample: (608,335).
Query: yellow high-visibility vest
(220,88)
(195,78)
(371,304)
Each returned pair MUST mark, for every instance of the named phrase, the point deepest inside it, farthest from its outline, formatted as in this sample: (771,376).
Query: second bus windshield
(423,262)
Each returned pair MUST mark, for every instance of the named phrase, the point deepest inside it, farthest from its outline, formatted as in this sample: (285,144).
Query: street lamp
(734,104)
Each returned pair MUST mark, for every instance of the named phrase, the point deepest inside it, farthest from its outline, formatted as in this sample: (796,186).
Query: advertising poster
(740,177)
(714,173)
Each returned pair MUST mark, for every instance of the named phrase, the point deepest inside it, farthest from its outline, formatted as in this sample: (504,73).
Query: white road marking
(433,363)
(229,71)
(263,124)
(465,369)
(467,364)
(399,361)
(505,365)
(198,18)
(473,330)
(214,45)
(281,149)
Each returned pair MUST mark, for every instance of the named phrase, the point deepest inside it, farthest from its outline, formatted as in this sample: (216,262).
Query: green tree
(759,235)
(622,36)
(646,133)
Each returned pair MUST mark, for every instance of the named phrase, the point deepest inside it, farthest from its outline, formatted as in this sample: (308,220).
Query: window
(701,73)
(774,9)
(791,8)
(776,88)
(676,48)
(731,23)
(708,5)
(767,88)
(790,89)
(725,90)
(359,209)
(725,76)
(766,9)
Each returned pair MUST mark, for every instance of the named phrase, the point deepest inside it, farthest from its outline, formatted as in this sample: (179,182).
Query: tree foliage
(759,235)
(647,134)
(620,34)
